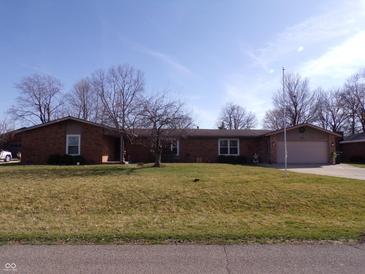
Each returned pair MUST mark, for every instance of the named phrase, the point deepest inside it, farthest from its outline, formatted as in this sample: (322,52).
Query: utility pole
(284,114)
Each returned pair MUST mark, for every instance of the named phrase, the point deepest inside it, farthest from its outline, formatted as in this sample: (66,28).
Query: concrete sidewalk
(281,258)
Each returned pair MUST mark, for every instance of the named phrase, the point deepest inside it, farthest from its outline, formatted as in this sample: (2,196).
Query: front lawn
(229,203)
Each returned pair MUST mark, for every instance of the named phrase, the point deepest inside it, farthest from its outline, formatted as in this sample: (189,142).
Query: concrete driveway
(280,258)
(341,170)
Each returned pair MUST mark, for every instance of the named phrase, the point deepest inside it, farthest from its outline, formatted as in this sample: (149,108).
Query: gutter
(353,141)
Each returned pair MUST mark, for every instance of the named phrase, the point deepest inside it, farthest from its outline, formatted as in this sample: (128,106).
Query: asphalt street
(277,258)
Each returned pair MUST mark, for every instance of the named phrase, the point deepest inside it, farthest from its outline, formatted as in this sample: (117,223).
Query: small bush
(339,157)
(232,159)
(65,160)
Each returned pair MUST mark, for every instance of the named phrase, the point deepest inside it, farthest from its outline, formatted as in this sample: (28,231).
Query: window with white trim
(73,145)
(228,147)
(175,147)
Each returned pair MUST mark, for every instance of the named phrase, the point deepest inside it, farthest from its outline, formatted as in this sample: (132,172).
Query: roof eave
(67,118)
(303,125)
(353,141)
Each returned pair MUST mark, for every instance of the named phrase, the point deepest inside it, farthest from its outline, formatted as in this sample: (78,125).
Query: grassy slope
(228,204)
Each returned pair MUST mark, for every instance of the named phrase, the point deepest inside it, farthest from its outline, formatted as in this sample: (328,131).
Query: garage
(303,152)
(307,144)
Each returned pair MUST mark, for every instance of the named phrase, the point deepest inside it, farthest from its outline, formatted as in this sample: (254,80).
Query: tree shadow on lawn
(70,171)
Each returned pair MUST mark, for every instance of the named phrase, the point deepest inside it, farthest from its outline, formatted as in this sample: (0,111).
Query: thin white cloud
(169,60)
(337,63)
(163,57)
(300,49)
(258,60)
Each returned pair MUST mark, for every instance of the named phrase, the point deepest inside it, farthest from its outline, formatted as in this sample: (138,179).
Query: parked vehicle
(5,156)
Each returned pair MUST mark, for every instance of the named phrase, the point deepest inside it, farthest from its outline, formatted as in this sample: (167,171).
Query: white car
(5,156)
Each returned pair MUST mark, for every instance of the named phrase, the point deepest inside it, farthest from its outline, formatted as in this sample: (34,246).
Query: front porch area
(112,148)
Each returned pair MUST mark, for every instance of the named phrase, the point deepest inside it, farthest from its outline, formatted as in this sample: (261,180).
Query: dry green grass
(230,203)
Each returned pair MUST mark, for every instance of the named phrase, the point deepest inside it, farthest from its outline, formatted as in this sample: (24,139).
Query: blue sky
(205,53)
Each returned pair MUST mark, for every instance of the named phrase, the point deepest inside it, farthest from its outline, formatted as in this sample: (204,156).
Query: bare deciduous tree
(298,102)
(165,118)
(236,117)
(274,119)
(120,89)
(331,113)
(39,99)
(350,107)
(83,101)
(4,128)
(354,101)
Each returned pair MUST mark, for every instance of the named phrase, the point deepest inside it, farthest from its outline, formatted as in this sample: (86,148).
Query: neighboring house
(353,148)
(98,143)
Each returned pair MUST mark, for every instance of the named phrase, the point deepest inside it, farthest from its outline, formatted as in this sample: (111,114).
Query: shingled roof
(273,132)
(226,133)
(220,133)
(66,118)
(217,133)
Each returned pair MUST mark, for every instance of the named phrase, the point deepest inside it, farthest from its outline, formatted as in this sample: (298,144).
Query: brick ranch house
(98,143)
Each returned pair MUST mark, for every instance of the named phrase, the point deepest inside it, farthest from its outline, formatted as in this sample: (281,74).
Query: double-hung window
(228,147)
(175,147)
(73,145)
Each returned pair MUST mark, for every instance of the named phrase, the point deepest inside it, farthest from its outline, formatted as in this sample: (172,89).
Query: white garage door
(303,152)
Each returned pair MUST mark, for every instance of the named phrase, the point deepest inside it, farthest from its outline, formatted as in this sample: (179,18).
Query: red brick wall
(198,150)
(139,151)
(351,151)
(248,147)
(38,144)
(91,143)
(206,149)
(273,149)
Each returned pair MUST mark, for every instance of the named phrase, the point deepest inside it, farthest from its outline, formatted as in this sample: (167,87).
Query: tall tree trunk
(158,158)
(157,149)
(122,148)
(353,123)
